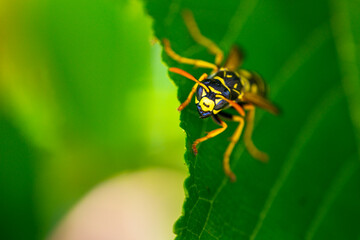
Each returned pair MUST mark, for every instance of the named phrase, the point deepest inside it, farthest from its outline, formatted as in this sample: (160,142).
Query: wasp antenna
(182,73)
(237,107)
(189,76)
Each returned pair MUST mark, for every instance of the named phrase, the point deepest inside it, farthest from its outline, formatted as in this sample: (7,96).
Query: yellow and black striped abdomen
(252,82)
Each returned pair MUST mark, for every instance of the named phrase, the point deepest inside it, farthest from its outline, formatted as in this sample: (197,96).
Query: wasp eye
(217,100)
(203,93)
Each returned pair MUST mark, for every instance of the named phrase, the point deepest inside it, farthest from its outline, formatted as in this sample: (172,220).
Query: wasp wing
(260,102)
(235,59)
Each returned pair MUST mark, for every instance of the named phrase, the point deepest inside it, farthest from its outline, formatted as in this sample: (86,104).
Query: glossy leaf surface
(307,52)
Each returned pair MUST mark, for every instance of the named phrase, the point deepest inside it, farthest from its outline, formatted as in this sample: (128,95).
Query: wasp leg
(188,99)
(234,139)
(193,90)
(210,134)
(256,153)
(199,38)
(234,104)
(180,59)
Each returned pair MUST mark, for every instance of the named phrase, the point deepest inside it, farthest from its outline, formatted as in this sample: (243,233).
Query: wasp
(227,86)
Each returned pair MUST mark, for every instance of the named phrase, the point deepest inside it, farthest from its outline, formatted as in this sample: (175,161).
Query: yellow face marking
(206,104)
(217,100)
(203,93)
(196,100)
(222,82)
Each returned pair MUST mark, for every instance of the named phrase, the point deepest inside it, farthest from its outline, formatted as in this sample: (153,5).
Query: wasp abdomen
(252,82)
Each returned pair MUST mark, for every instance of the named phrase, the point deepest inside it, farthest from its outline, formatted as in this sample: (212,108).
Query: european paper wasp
(227,86)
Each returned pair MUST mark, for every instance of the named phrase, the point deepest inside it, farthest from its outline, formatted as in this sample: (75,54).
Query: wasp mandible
(227,86)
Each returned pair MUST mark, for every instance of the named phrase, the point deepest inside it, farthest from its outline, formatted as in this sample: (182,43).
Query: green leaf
(17,185)
(307,53)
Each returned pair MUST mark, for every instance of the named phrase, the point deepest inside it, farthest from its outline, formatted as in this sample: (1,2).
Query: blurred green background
(83,96)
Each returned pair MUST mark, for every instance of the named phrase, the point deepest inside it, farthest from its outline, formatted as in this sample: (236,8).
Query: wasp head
(208,102)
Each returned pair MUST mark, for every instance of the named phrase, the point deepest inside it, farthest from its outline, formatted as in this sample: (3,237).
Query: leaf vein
(316,115)
(243,12)
(223,183)
(316,38)
(342,177)
(173,8)
(346,47)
